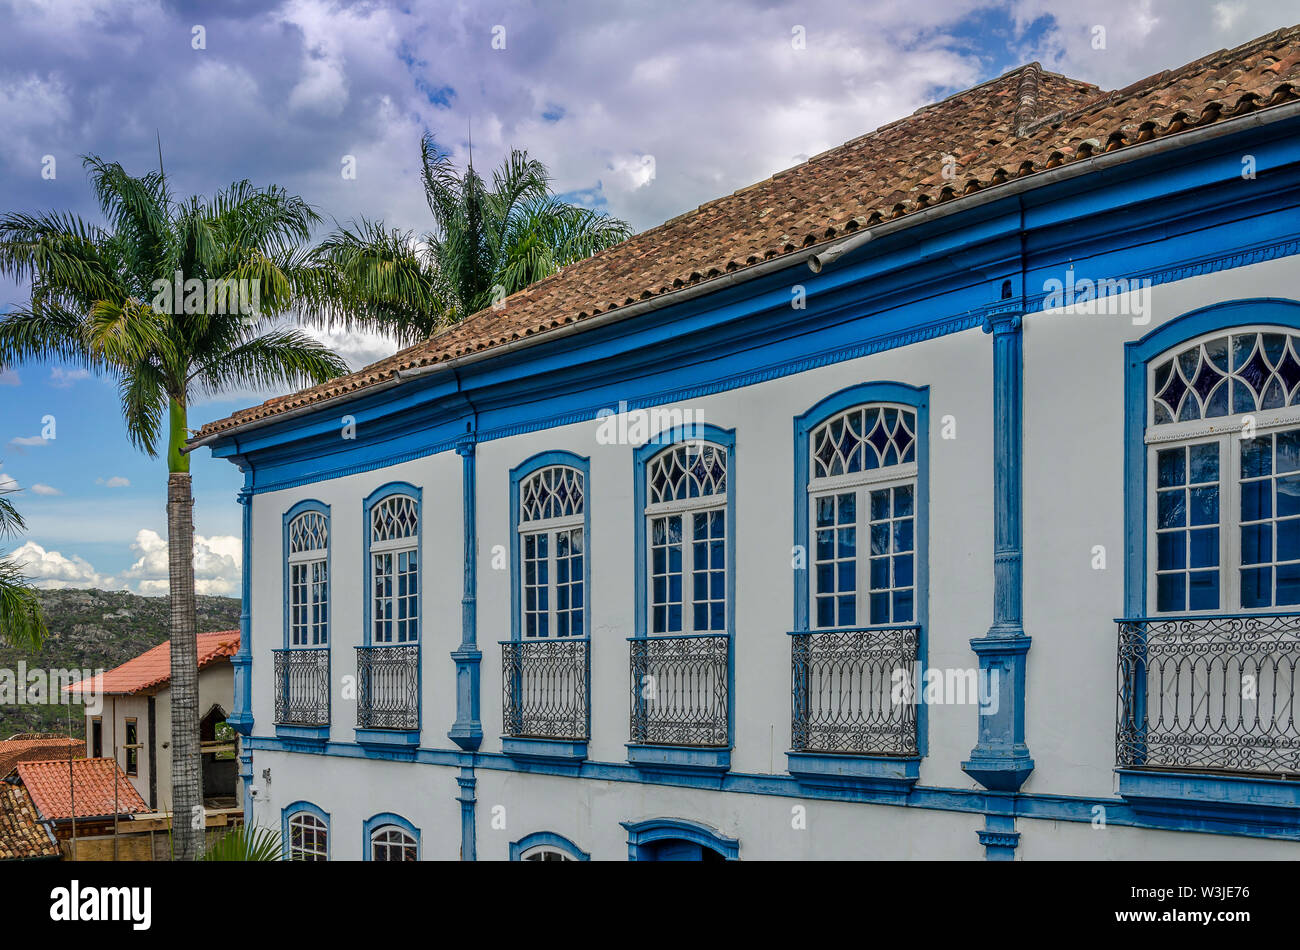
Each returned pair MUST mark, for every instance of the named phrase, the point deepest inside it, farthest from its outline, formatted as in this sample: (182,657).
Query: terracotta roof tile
(153,668)
(92,784)
(1016,125)
(19,749)
(22,835)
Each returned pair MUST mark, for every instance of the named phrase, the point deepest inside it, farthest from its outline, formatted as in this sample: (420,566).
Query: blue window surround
(557,750)
(376,822)
(538,838)
(1268,806)
(297,808)
(673,759)
(642,834)
(893,773)
(308,733)
(401,738)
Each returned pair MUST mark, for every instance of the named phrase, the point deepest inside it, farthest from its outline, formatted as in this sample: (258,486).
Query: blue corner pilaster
(241,719)
(467,732)
(468,838)
(1000,760)
(999,837)
(246,779)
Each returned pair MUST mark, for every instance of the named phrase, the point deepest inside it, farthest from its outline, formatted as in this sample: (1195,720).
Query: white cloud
(8,483)
(52,570)
(29,440)
(116,481)
(216,564)
(63,378)
(42,489)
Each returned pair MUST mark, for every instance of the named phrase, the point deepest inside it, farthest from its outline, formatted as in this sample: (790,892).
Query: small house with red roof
(134,727)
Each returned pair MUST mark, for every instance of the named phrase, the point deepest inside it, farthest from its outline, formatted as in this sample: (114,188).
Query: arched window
(862,470)
(390,837)
(307,551)
(545,852)
(686,538)
(552,550)
(1222,431)
(306,832)
(394,569)
(546,846)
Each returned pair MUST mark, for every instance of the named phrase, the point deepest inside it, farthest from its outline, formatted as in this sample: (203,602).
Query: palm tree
(21,621)
(106,298)
(487,243)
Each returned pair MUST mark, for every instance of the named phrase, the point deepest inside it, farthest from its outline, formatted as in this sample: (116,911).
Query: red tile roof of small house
(22,749)
(153,668)
(22,834)
(1018,125)
(92,780)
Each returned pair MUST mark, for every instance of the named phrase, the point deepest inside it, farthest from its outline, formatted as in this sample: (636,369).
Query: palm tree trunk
(187,780)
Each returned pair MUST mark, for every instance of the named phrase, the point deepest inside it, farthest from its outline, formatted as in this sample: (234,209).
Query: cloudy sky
(644,109)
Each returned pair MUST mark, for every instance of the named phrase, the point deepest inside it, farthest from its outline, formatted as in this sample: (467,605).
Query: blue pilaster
(467,799)
(1000,760)
(241,719)
(467,732)
(999,837)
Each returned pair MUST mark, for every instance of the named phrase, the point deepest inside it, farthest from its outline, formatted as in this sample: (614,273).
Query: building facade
(891,508)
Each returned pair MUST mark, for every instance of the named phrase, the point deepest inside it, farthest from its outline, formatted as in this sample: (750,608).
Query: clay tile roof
(1007,128)
(22,749)
(22,835)
(153,668)
(92,781)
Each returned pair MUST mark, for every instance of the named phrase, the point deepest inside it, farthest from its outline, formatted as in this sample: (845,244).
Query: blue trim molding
(548,839)
(643,836)
(1000,760)
(375,822)
(241,718)
(670,759)
(467,730)
(1213,802)
(297,808)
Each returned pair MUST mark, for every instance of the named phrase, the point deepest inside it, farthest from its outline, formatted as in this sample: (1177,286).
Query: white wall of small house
(1073,500)
(216,687)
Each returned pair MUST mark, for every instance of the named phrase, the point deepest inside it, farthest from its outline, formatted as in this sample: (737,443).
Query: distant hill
(96,629)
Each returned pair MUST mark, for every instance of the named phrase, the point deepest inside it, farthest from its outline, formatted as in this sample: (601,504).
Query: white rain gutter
(815,260)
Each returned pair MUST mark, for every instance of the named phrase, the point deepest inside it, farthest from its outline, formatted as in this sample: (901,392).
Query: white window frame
(1226,431)
(862,484)
(407,840)
(394,547)
(541,852)
(311,561)
(551,529)
(687,508)
(300,820)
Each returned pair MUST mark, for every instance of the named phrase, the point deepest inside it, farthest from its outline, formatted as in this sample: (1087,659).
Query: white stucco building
(930,499)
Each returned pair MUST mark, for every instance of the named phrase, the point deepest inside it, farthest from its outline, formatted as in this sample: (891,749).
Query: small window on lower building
(132,748)
(390,843)
(308,838)
(96,738)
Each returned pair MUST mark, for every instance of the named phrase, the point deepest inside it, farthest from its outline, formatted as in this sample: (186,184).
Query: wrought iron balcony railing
(1209,694)
(546,684)
(388,687)
(681,690)
(843,691)
(302,687)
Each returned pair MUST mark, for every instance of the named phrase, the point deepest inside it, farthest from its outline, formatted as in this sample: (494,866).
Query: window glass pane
(1187,532)
(1270,519)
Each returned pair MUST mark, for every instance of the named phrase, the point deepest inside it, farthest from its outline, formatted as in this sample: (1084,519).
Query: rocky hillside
(89,630)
